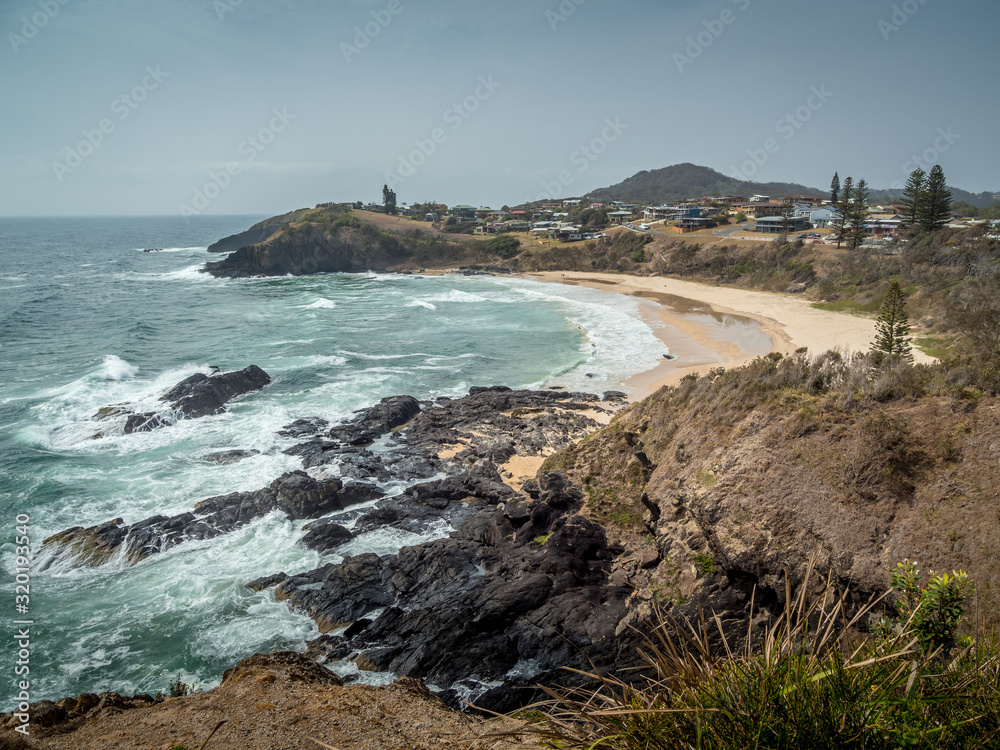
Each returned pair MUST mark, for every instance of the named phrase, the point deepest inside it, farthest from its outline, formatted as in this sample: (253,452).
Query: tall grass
(810,679)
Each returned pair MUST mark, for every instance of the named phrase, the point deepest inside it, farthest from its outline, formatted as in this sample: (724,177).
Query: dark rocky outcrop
(322,536)
(201,395)
(255,234)
(315,248)
(519,584)
(529,585)
(225,458)
(197,396)
(295,494)
(377,420)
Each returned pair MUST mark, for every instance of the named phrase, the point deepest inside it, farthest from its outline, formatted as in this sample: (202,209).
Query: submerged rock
(229,457)
(197,396)
(295,494)
(201,395)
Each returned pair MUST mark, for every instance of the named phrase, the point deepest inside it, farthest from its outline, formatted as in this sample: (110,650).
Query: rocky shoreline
(518,584)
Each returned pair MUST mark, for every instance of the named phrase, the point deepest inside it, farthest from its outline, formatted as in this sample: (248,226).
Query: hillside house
(821,218)
(775,224)
(814,201)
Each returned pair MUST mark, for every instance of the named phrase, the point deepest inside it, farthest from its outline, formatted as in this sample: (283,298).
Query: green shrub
(803,681)
(934,612)
(503,245)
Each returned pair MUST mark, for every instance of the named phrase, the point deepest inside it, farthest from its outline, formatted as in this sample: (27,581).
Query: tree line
(926,205)
(926,200)
(850,203)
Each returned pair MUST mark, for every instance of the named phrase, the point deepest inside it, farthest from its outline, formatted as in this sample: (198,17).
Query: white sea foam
(174,249)
(116,368)
(456,295)
(321,304)
(617,342)
(377,357)
(422,303)
(186,274)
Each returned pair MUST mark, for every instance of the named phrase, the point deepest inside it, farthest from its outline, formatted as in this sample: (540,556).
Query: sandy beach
(705,314)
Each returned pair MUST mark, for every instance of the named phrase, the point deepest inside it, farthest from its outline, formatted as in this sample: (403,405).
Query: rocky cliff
(333,240)
(258,232)
(743,476)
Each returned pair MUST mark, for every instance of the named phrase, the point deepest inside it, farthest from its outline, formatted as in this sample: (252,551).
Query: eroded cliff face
(315,248)
(257,233)
(730,482)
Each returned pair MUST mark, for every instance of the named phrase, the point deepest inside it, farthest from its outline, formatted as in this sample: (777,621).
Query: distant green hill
(672,184)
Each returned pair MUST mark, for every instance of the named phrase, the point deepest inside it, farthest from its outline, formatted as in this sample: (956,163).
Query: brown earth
(404,224)
(281,701)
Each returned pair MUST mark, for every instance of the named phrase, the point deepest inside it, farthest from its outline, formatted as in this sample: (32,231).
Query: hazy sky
(261,106)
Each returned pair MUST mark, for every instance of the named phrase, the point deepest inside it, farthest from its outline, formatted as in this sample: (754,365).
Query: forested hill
(681,181)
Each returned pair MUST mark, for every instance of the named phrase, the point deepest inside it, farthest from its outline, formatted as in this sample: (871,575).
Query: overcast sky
(122,107)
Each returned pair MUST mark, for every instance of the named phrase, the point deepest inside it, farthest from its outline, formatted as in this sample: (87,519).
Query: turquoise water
(88,320)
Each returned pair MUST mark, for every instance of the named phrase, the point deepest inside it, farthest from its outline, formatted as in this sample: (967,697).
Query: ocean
(87,320)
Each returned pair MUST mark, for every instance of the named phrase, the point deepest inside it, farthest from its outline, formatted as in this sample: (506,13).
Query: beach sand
(790,322)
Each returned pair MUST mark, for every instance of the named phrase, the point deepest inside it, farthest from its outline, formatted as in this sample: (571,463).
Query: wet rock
(295,494)
(197,396)
(325,536)
(224,458)
(201,395)
(377,420)
(478,602)
(266,582)
(146,422)
(302,427)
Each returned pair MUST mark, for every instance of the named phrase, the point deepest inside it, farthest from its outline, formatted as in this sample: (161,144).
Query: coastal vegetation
(816,677)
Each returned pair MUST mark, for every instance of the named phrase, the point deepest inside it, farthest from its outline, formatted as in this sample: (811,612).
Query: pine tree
(858,214)
(389,200)
(892,329)
(787,216)
(936,211)
(835,189)
(842,209)
(914,197)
